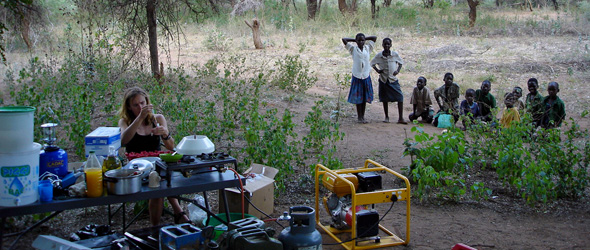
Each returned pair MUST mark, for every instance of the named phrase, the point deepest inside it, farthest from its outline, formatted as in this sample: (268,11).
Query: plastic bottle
(111,162)
(93,171)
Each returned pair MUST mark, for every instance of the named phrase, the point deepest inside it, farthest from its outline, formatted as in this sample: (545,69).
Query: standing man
(388,64)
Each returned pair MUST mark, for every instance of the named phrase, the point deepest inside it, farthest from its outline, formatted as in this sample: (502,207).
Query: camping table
(201,182)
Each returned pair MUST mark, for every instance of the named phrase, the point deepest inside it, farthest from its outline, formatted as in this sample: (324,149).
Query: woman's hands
(160,130)
(145,110)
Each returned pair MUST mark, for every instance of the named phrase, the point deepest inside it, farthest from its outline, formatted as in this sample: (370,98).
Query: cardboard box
(259,190)
(101,139)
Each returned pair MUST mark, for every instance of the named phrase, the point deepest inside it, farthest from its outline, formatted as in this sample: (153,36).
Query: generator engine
(339,202)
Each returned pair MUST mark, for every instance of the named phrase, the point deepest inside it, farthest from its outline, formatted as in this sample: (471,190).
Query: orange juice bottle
(93,171)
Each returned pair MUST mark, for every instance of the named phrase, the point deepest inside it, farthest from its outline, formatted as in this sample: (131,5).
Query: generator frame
(365,198)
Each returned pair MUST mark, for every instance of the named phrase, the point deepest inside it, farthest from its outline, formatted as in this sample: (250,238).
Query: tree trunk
(153,36)
(528,4)
(342,6)
(255,26)
(555,5)
(373,10)
(472,11)
(428,4)
(25,28)
(312,7)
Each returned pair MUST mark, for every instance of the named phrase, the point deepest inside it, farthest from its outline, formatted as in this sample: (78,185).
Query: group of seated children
(546,112)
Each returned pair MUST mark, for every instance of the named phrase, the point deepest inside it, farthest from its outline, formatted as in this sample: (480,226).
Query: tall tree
(142,20)
(472,11)
(150,10)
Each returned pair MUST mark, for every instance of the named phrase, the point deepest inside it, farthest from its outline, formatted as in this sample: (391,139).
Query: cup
(45,190)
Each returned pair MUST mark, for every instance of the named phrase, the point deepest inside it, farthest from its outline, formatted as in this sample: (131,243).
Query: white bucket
(16,128)
(19,176)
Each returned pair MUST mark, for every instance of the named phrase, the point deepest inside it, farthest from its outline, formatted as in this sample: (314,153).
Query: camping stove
(194,164)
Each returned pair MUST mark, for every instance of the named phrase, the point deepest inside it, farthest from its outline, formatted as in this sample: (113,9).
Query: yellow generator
(350,204)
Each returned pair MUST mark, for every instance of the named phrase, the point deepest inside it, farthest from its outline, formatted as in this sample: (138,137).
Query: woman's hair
(125,111)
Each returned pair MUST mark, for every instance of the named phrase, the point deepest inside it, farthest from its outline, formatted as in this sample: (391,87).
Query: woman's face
(360,41)
(137,103)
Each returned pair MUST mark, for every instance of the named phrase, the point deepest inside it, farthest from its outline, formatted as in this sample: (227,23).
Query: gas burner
(205,157)
(194,164)
(212,156)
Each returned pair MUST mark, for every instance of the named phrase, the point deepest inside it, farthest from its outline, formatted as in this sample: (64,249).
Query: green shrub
(293,75)
(537,164)
(584,8)
(217,41)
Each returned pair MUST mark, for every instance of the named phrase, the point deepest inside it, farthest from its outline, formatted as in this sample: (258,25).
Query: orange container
(339,186)
(94,187)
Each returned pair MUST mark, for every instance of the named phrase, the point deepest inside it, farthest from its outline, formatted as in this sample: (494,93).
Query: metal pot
(123,181)
(145,164)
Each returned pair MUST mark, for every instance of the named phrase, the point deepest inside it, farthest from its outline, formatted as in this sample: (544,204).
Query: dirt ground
(501,222)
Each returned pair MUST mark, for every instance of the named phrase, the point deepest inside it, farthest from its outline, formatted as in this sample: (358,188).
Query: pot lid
(145,164)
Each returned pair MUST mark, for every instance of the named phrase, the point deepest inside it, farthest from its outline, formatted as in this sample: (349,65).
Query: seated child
(447,97)
(510,112)
(534,102)
(421,102)
(554,112)
(469,108)
(486,101)
(519,104)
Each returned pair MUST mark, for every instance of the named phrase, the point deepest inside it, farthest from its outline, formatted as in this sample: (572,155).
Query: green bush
(537,164)
(82,94)
(293,74)
(584,8)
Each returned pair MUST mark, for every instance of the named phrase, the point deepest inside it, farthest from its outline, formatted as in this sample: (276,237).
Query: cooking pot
(195,145)
(144,164)
(123,181)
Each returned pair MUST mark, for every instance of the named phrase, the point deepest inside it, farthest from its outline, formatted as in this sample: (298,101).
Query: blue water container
(54,160)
